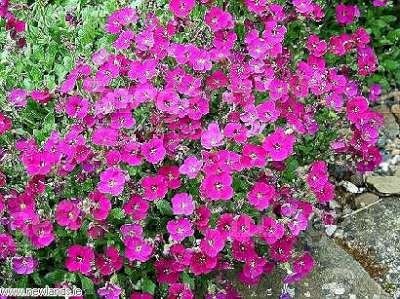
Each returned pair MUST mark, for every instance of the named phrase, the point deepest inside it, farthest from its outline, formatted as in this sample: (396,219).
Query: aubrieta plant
(166,160)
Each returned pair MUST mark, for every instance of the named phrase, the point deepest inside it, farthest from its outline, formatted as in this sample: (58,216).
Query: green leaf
(87,285)
(148,286)
(164,207)
(117,213)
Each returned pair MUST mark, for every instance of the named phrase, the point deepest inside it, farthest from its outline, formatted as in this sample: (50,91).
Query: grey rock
(377,229)
(390,128)
(336,275)
(385,184)
(396,111)
(365,199)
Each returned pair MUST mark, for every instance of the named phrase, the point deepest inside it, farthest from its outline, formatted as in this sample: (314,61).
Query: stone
(396,111)
(377,230)
(336,275)
(391,128)
(385,184)
(365,199)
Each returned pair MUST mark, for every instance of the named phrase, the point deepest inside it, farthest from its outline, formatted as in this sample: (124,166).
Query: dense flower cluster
(13,24)
(161,123)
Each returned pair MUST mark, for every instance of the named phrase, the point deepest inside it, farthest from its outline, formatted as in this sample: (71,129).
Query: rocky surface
(391,128)
(376,231)
(385,184)
(337,275)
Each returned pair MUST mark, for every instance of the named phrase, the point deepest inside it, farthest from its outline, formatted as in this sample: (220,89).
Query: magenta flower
(79,259)
(109,262)
(5,124)
(271,230)
(281,251)
(171,175)
(202,263)
(218,19)
(318,175)
(136,207)
(155,187)
(100,205)
(68,214)
(346,14)
(182,204)
(191,167)
(254,267)
(77,107)
(165,271)
(180,290)
(261,196)
(302,266)
(181,8)
(212,137)
(243,250)
(124,40)
(153,150)
(41,234)
(243,228)
(8,247)
(279,145)
(180,229)
(138,250)
(105,136)
(217,187)
(18,97)
(24,265)
(110,291)
(112,181)
(253,156)
(213,242)
(120,18)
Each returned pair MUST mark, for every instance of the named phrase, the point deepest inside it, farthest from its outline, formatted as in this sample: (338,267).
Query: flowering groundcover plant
(163,161)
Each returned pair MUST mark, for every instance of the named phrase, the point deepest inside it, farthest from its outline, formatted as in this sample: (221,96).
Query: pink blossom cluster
(13,24)
(206,127)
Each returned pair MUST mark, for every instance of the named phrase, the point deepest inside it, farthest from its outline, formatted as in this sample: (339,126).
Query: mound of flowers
(164,162)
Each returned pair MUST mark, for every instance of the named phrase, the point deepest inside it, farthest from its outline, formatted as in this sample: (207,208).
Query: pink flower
(155,187)
(202,263)
(136,207)
(302,266)
(271,230)
(181,8)
(279,145)
(171,175)
(165,271)
(77,107)
(261,196)
(243,228)
(253,156)
(8,247)
(24,265)
(112,181)
(217,187)
(5,124)
(281,251)
(212,137)
(182,204)
(138,250)
(109,262)
(218,19)
(191,167)
(124,40)
(100,205)
(212,243)
(180,229)
(318,175)
(18,97)
(180,290)
(68,214)
(120,18)
(105,136)
(153,150)
(79,259)
(346,14)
